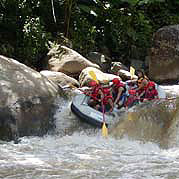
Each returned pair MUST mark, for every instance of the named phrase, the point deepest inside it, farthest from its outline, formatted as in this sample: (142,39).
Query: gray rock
(27,100)
(85,76)
(60,78)
(100,59)
(65,60)
(164,55)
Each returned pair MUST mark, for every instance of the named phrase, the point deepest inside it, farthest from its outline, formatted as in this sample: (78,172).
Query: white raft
(88,114)
(81,109)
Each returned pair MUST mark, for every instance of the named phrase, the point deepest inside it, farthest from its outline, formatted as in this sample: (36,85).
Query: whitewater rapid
(78,151)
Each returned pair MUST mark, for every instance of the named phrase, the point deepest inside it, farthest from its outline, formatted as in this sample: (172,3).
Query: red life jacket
(139,91)
(106,91)
(151,94)
(106,99)
(95,93)
(117,86)
(130,100)
(139,82)
(132,92)
(107,95)
(143,89)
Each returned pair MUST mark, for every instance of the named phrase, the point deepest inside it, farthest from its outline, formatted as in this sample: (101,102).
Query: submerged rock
(171,138)
(148,121)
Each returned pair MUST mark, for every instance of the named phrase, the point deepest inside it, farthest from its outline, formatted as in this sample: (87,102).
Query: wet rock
(172,134)
(148,121)
(164,55)
(85,77)
(60,78)
(125,75)
(102,60)
(116,66)
(27,100)
(121,70)
(137,64)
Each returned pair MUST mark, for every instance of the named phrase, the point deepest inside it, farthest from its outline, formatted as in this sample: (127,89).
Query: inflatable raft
(88,114)
(80,108)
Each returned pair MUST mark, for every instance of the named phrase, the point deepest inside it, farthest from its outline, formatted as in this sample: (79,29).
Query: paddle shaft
(88,94)
(159,98)
(104,129)
(135,98)
(103,110)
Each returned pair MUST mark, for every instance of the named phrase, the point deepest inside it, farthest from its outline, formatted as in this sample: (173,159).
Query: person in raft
(132,99)
(95,93)
(142,83)
(107,100)
(150,93)
(101,97)
(119,91)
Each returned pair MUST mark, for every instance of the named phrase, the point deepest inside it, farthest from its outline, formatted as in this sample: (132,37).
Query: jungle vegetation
(121,29)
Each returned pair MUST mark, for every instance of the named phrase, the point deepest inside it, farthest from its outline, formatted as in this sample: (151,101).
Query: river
(80,152)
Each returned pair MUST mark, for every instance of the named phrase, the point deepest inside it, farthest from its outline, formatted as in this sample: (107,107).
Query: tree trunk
(68,10)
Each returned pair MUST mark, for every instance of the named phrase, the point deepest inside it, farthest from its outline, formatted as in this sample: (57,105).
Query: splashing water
(78,151)
(84,156)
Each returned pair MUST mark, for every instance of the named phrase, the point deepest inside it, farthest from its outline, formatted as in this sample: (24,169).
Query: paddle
(132,72)
(93,76)
(104,128)
(84,92)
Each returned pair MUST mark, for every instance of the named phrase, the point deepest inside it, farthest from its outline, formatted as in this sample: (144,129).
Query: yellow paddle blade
(104,130)
(129,116)
(71,85)
(132,71)
(93,76)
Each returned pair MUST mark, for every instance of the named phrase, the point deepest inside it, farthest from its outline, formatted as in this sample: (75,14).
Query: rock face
(125,75)
(27,100)
(172,134)
(84,77)
(149,121)
(121,70)
(60,78)
(116,66)
(102,60)
(164,57)
(65,60)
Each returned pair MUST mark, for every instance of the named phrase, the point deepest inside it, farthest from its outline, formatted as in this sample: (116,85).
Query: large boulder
(164,56)
(137,64)
(85,77)
(27,100)
(126,75)
(60,78)
(149,121)
(172,132)
(65,60)
(102,60)
(116,66)
(121,70)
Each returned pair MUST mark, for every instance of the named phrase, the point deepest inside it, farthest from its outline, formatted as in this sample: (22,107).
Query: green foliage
(35,39)
(123,27)
(83,42)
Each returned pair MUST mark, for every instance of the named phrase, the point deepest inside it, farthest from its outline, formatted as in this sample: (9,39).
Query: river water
(77,151)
